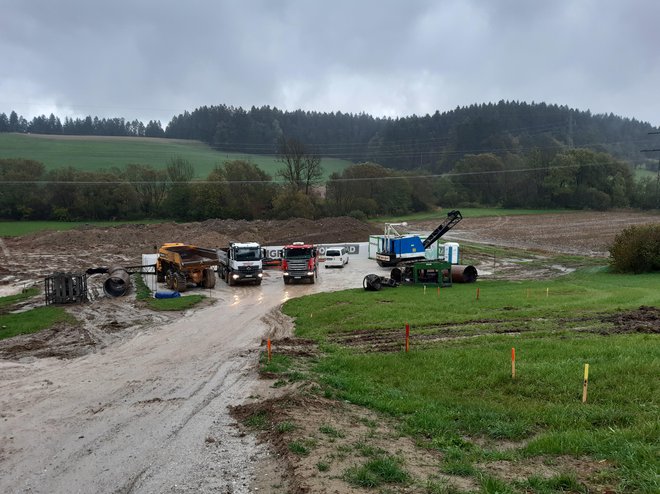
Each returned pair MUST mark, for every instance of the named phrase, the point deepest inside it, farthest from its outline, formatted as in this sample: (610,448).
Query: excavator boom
(453,217)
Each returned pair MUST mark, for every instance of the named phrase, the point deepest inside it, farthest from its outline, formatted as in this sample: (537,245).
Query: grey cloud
(152,59)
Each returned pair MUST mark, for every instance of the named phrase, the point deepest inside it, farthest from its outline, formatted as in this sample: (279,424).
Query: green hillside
(97,152)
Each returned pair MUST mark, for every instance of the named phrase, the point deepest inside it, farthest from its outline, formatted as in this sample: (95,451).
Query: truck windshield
(247,254)
(299,253)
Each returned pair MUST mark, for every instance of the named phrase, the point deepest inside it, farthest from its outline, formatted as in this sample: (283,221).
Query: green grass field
(31,321)
(18,228)
(453,392)
(467,213)
(97,152)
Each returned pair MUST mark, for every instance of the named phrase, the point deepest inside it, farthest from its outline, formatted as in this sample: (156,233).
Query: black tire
(287,281)
(180,282)
(209,278)
(169,280)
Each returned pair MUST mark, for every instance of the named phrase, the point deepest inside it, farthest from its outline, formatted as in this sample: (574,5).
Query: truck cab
(241,262)
(299,262)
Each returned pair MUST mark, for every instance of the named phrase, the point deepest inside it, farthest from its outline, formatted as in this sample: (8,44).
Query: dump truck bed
(190,256)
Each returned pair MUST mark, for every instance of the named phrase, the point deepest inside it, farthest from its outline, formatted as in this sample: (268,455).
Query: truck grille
(297,265)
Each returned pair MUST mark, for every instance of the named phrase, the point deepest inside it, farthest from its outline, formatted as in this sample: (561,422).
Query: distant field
(644,173)
(18,228)
(97,152)
(467,213)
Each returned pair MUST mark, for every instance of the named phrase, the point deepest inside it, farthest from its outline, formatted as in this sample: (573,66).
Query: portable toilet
(451,253)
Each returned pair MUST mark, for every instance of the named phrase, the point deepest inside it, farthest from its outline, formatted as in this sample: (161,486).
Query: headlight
(235,276)
(260,275)
(286,273)
(310,273)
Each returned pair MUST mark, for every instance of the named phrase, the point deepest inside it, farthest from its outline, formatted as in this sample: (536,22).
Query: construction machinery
(407,255)
(300,261)
(240,263)
(179,264)
(395,249)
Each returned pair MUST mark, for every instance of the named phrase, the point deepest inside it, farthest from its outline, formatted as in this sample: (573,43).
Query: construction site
(148,394)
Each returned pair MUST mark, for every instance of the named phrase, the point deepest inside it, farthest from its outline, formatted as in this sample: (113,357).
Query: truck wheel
(179,282)
(209,278)
(286,281)
(230,279)
(169,281)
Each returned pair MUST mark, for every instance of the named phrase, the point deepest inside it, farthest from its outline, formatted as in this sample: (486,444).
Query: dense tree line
(80,126)
(434,142)
(506,154)
(576,178)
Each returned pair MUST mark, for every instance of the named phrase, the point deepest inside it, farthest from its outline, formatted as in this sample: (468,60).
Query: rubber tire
(180,283)
(169,280)
(209,278)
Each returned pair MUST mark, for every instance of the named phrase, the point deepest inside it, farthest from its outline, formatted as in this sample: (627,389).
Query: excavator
(402,250)
(406,254)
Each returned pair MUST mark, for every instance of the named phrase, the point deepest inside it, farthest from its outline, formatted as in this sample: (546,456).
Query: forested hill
(435,142)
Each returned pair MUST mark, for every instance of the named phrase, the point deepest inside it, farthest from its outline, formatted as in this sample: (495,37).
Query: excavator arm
(453,217)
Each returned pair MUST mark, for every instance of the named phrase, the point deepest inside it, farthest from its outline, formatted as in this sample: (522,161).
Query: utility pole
(657,179)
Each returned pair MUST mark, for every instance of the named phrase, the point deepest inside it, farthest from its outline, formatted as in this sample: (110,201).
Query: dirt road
(148,414)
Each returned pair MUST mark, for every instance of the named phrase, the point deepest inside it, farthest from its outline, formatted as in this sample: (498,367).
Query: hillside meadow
(102,152)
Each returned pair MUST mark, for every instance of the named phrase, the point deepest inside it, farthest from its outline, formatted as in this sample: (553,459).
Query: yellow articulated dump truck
(181,264)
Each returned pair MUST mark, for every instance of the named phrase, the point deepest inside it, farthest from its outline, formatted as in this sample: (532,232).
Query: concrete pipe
(118,282)
(463,274)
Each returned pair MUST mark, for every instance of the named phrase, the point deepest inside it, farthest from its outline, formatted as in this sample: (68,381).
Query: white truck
(240,263)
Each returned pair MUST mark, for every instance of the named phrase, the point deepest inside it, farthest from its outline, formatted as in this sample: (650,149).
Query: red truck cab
(300,261)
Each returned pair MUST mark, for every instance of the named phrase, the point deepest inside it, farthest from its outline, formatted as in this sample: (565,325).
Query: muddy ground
(130,400)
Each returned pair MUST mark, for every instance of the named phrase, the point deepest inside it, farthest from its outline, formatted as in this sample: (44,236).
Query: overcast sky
(152,59)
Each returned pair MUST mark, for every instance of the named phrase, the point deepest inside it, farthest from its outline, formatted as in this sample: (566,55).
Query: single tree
(302,167)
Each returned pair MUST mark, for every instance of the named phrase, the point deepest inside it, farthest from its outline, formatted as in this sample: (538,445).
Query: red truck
(300,261)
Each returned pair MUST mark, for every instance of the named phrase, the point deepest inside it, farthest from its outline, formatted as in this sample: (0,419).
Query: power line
(277,182)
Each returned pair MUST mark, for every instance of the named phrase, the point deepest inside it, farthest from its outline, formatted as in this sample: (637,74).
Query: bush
(358,215)
(636,250)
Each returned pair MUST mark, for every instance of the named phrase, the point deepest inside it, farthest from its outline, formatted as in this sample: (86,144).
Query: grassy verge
(164,304)
(30,321)
(10,300)
(453,392)
(467,213)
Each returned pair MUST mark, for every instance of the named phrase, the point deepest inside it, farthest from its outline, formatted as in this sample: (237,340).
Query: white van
(336,257)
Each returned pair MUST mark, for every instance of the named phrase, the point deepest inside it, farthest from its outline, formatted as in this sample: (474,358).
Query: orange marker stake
(407,337)
(513,363)
(268,346)
(477,293)
(585,383)
(438,291)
